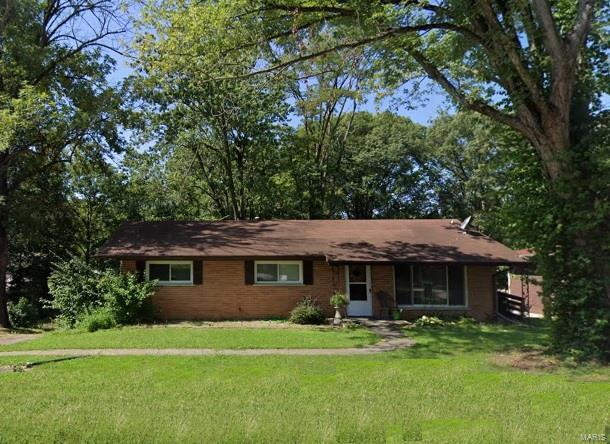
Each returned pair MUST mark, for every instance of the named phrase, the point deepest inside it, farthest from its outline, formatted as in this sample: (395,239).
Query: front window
(170,272)
(279,272)
(430,285)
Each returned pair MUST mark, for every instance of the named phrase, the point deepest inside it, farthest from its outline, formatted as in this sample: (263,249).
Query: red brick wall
(224,295)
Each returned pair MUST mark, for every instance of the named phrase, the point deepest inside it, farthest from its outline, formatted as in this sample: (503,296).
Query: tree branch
(549,31)
(355,44)
(475,105)
(577,36)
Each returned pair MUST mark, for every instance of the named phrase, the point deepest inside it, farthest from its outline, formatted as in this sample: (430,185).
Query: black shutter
(140,269)
(456,284)
(249,275)
(197,272)
(308,272)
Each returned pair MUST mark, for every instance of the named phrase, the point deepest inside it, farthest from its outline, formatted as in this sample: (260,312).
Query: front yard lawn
(200,337)
(454,391)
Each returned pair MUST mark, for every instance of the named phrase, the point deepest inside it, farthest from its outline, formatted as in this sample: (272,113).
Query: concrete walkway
(392,338)
(15,338)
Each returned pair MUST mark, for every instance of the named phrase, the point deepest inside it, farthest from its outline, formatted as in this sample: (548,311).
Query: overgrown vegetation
(23,313)
(85,296)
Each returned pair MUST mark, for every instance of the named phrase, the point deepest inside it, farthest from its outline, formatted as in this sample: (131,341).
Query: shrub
(466,321)
(23,313)
(99,319)
(73,285)
(79,290)
(307,312)
(126,297)
(338,300)
(429,321)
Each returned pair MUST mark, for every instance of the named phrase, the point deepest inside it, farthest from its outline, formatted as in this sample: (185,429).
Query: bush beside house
(307,312)
(91,299)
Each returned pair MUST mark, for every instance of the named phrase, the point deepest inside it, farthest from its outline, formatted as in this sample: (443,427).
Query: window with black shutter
(275,272)
(170,272)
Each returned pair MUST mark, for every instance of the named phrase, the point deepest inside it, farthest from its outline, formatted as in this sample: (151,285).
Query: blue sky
(423,113)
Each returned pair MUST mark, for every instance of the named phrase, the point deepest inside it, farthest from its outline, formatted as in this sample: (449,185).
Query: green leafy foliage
(23,313)
(55,101)
(98,319)
(307,311)
(125,297)
(74,289)
(339,300)
(80,291)
(429,321)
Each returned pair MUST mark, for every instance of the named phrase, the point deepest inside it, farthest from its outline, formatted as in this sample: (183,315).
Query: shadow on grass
(454,340)
(355,333)
(31,364)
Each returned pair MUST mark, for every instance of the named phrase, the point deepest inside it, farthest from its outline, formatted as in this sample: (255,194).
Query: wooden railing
(511,305)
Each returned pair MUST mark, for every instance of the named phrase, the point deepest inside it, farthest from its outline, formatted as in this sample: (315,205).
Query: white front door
(358,285)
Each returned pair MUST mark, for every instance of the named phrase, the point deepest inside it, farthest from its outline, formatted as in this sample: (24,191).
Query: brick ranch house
(261,269)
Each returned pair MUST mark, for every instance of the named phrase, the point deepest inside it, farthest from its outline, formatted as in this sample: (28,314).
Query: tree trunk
(4,320)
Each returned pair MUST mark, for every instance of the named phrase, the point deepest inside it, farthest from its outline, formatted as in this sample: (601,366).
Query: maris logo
(594,437)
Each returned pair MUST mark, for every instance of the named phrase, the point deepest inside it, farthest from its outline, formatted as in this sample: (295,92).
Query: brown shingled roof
(396,240)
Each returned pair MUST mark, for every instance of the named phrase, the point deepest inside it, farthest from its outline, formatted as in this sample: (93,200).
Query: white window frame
(436,306)
(170,263)
(278,263)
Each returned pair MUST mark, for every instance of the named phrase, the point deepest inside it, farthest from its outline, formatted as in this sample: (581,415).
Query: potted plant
(338,300)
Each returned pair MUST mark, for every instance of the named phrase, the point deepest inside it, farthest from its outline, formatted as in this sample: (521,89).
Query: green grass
(455,340)
(187,337)
(449,392)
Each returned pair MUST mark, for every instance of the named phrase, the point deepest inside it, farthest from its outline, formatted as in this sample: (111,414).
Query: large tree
(223,139)
(53,95)
(386,169)
(537,66)
(326,95)
(482,169)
